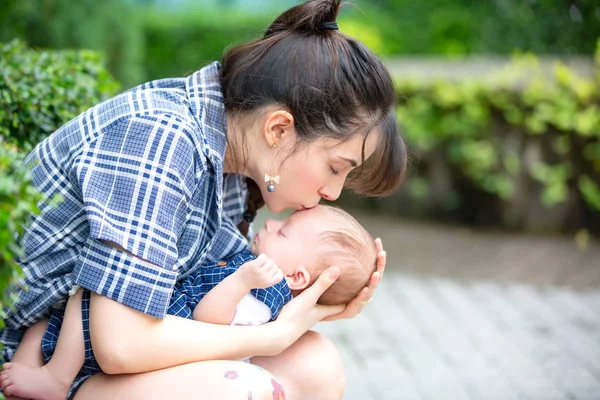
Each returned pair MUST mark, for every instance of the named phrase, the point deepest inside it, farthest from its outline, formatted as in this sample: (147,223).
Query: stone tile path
(427,338)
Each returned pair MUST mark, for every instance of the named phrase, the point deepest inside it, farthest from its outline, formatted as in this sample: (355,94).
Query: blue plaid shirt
(143,170)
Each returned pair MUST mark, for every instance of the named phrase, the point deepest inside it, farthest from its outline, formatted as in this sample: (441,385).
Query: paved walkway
(472,315)
(431,338)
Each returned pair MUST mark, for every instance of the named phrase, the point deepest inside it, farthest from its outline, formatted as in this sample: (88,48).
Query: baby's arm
(219,304)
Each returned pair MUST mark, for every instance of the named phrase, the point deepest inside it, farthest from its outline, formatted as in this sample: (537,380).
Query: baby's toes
(7,387)
(7,366)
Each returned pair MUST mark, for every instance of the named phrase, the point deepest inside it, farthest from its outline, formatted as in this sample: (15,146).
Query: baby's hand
(260,273)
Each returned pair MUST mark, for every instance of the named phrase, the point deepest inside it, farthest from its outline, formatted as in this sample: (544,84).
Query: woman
(154,182)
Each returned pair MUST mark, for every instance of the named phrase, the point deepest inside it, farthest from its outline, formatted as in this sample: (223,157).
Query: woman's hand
(303,312)
(300,314)
(354,308)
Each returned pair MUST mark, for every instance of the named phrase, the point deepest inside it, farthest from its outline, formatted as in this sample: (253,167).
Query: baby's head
(310,241)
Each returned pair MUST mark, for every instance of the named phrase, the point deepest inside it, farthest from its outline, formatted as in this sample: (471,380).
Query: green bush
(18,199)
(182,42)
(109,26)
(143,43)
(458,27)
(40,90)
(505,135)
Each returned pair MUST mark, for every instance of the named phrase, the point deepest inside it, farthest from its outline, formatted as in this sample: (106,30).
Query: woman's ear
(299,279)
(278,125)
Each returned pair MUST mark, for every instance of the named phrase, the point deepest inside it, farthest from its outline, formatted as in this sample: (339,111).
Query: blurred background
(493,277)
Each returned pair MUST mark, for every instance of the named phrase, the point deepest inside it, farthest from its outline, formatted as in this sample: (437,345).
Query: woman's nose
(331,193)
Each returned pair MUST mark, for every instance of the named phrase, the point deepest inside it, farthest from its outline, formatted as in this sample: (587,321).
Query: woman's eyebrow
(351,161)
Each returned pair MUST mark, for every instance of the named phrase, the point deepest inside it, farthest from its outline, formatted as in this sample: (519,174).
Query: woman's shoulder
(154,122)
(154,98)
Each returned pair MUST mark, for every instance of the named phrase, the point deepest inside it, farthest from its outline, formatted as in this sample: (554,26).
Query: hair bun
(312,16)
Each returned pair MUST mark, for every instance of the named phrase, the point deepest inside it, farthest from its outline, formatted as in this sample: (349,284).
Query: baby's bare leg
(53,380)
(29,351)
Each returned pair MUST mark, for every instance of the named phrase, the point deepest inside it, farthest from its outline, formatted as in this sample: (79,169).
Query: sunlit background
(493,282)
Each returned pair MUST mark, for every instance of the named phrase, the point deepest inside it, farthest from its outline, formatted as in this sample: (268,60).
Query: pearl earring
(272,179)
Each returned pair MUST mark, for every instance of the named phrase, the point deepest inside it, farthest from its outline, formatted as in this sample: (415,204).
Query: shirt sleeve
(136,182)
(229,241)
(274,297)
(183,302)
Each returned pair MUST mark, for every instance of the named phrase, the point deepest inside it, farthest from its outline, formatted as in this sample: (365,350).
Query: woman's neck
(231,164)
(238,152)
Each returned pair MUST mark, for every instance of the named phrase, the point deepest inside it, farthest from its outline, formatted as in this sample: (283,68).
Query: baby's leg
(53,380)
(29,351)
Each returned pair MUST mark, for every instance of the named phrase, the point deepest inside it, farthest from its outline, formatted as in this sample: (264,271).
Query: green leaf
(590,191)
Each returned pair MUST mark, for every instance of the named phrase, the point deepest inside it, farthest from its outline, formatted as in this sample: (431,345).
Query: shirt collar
(206,103)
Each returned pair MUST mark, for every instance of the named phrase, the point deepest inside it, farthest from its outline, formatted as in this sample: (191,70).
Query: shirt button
(221,264)
(175,267)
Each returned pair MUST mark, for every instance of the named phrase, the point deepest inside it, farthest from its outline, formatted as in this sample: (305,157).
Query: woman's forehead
(352,148)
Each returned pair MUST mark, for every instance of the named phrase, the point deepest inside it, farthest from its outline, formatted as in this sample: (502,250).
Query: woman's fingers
(373,283)
(302,312)
(323,282)
(356,305)
(381,256)
(324,312)
(378,245)
(353,308)
(350,310)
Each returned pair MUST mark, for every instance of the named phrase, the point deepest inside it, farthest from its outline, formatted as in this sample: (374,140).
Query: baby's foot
(14,398)
(31,383)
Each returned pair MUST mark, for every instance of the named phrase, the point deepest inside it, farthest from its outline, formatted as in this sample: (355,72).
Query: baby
(244,290)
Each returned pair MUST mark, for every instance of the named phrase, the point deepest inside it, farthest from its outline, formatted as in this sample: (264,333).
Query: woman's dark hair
(332,84)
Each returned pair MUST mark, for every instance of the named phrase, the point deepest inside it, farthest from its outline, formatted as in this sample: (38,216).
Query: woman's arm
(128,341)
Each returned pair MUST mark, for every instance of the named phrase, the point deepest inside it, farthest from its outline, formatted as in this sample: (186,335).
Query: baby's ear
(299,279)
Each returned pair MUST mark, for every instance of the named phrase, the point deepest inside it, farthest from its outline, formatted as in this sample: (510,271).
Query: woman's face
(315,170)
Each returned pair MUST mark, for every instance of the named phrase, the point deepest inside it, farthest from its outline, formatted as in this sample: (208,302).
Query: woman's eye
(333,171)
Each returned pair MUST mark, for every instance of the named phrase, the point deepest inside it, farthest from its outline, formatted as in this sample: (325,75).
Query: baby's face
(294,241)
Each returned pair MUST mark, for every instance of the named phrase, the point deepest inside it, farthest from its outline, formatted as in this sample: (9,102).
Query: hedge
(108,26)
(18,199)
(178,42)
(460,27)
(144,42)
(505,139)
(39,91)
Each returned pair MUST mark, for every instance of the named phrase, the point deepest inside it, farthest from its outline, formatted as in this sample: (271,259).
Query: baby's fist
(260,273)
